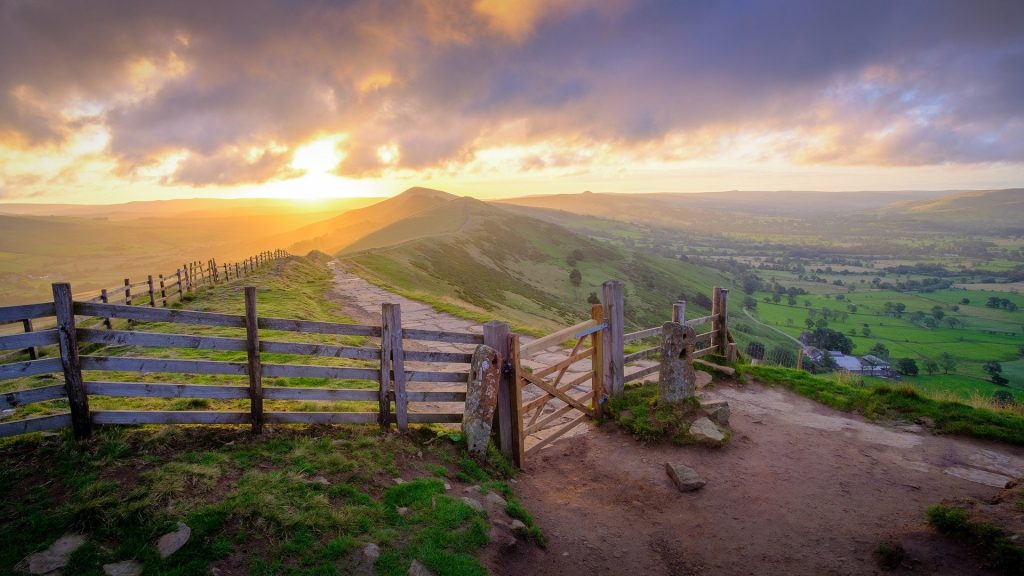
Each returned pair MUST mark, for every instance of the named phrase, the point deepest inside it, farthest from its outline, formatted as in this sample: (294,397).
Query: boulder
(677,380)
(173,541)
(371,551)
(417,569)
(704,430)
(55,557)
(481,399)
(496,499)
(717,411)
(684,477)
(473,503)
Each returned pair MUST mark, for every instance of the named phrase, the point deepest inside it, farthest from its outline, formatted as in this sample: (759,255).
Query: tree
(907,366)
(828,339)
(809,322)
(965,301)
(1003,398)
(995,372)
(749,303)
(751,283)
(937,312)
(880,350)
(948,362)
(575,277)
(593,299)
(931,366)
(866,331)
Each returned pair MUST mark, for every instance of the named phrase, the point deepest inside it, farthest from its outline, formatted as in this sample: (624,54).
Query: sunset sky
(131,100)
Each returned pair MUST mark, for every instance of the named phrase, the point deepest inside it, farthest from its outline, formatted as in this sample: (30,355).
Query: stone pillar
(677,380)
(481,398)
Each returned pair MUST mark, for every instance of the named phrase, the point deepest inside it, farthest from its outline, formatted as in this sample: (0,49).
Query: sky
(120,100)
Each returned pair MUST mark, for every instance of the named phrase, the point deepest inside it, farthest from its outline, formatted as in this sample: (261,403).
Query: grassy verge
(296,501)
(896,402)
(989,540)
(638,411)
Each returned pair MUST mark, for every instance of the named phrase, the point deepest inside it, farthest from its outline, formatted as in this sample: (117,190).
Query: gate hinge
(507,369)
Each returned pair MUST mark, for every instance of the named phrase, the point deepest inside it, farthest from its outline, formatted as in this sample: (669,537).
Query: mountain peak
(426,193)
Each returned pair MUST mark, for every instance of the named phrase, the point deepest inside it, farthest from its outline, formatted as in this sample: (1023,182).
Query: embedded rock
(704,430)
(685,478)
(481,399)
(173,541)
(56,556)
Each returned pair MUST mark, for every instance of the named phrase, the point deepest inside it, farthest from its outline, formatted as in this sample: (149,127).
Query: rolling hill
(991,211)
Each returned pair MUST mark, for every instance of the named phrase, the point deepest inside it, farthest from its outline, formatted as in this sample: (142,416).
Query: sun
(318,157)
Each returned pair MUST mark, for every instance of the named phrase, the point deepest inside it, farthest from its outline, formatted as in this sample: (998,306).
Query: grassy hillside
(984,211)
(486,262)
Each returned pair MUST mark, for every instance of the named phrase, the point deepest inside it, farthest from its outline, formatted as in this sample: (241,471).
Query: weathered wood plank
(450,357)
(9,400)
(253,366)
(159,315)
(460,377)
(565,363)
(727,370)
(323,350)
(160,340)
(153,390)
(542,424)
(306,371)
(324,394)
(384,391)
(392,314)
(632,377)
(537,402)
(321,417)
(496,336)
(168,417)
(642,334)
(434,418)
(29,368)
(436,336)
(119,364)
(705,352)
(613,296)
(289,325)
(28,340)
(560,394)
(436,396)
(26,311)
(597,341)
(518,438)
(641,355)
(699,321)
(555,338)
(37,424)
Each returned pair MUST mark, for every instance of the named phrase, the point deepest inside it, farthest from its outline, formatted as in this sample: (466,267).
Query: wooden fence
(83,333)
(161,290)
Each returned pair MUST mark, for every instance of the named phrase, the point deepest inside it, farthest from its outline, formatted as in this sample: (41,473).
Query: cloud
(850,82)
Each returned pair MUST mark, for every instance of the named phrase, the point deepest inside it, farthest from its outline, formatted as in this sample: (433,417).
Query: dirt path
(801,488)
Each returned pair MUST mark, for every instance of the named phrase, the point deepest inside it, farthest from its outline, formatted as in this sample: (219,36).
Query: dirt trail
(801,488)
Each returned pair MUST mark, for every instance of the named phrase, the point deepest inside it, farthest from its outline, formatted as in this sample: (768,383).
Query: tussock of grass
(902,402)
(638,411)
(989,540)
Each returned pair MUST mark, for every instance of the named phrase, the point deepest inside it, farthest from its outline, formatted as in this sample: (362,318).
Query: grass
(896,402)
(889,554)
(638,411)
(254,501)
(989,540)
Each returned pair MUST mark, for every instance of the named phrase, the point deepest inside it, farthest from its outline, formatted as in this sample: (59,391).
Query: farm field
(981,334)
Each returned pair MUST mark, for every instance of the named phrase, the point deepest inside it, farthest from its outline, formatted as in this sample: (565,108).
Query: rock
(626,416)
(215,571)
(517,525)
(677,380)
(473,503)
(320,480)
(502,536)
(481,399)
(126,568)
(704,430)
(371,551)
(685,478)
(398,481)
(496,499)
(717,411)
(403,510)
(471,489)
(447,486)
(417,569)
(173,541)
(55,557)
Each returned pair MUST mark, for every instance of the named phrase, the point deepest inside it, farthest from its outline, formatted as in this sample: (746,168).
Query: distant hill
(336,233)
(990,211)
(302,211)
(495,263)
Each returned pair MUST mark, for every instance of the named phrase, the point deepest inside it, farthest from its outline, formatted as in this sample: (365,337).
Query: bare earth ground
(800,489)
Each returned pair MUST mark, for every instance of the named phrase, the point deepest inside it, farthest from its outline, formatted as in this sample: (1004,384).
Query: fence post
(227,277)
(597,361)
(105,300)
(127,292)
(237,273)
(496,335)
(181,288)
(384,412)
(152,294)
(392,317)
(255,368)
(613,296)
(517,402)
(679,312)
(723,321)
(33,352)
(69,361)
(163,291)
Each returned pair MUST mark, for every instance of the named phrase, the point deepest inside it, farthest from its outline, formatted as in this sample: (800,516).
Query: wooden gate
(550,398)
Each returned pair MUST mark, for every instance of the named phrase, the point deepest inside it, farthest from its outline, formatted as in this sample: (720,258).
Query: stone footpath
(362,301)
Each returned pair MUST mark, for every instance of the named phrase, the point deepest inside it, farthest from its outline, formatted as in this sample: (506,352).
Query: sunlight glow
(319,156)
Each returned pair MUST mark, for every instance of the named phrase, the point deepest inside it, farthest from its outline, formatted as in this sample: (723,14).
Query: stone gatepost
(481,398)
(677,380)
